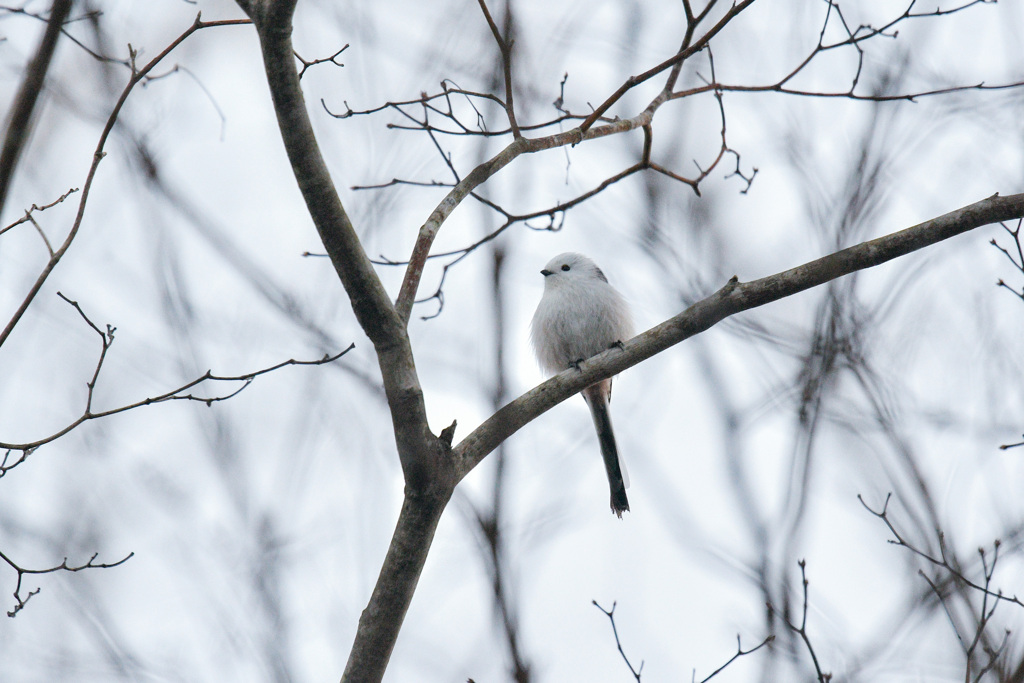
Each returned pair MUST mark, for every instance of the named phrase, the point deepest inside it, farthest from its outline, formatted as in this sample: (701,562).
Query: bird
(580,315)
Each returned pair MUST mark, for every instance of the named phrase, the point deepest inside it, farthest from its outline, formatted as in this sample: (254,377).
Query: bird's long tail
(596,396)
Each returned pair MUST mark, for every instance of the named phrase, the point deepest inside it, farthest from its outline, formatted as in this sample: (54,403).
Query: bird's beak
(545,272)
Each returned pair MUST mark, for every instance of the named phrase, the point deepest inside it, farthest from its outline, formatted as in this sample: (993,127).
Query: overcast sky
(259,523)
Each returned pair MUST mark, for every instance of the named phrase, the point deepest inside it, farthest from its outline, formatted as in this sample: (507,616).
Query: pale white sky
(259,524)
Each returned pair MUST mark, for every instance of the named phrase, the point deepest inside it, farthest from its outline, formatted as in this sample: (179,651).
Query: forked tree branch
(426,461)
(431,467)
(139,75)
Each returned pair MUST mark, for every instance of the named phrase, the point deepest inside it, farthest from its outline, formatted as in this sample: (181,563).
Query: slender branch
(30,218)
(942,561)
(669,63)
(618,643)
(1011,445)
(306,64)
(181,393)
(138,75)
(505,47)
(22,600)
(740,652)
(801,630)
(1018,264)
(733,298)
(428,231)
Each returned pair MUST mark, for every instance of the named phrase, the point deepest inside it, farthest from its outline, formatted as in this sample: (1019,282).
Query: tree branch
(138,75)
(417,446)
(22,600)
(28,94)
(733,298)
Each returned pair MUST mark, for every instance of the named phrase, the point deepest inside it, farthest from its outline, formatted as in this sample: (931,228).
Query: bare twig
(139,74)
(740,652)
(1011,445)
(22,600)
(30,218)
(505,46)
(801,630)
(181,393)
(333,59)
(853,40)
(611,617)
(1018,262)
(692,48)
(942,560)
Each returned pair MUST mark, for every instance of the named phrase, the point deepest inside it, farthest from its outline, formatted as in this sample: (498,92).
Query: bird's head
(570,268)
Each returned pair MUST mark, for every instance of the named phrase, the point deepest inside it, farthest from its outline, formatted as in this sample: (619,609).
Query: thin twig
(740,652)
(611,617)
(941,561)
(138,75)
(823,677)
(181,393)
(22,600)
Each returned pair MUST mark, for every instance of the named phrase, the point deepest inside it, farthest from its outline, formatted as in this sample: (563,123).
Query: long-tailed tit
(579,316)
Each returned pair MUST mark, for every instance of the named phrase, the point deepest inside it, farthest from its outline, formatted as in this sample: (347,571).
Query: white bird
(579,316)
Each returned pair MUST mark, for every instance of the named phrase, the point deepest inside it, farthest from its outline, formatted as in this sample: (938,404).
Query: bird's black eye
(565,266)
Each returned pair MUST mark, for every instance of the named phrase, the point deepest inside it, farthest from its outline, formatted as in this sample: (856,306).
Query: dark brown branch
(371,305)
(24,104)
(426,461)
(733,298)
(382,619)
(505,47)
(618,643)
(22,600)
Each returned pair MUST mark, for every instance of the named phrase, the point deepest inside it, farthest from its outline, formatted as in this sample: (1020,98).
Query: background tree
(259,524)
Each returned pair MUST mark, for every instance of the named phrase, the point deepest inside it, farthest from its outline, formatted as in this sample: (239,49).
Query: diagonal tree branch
(417,447)
(20,117)
(139,75)
(426,461)
(733,298)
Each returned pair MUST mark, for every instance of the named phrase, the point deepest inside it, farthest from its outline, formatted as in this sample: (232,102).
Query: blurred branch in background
(19,118)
